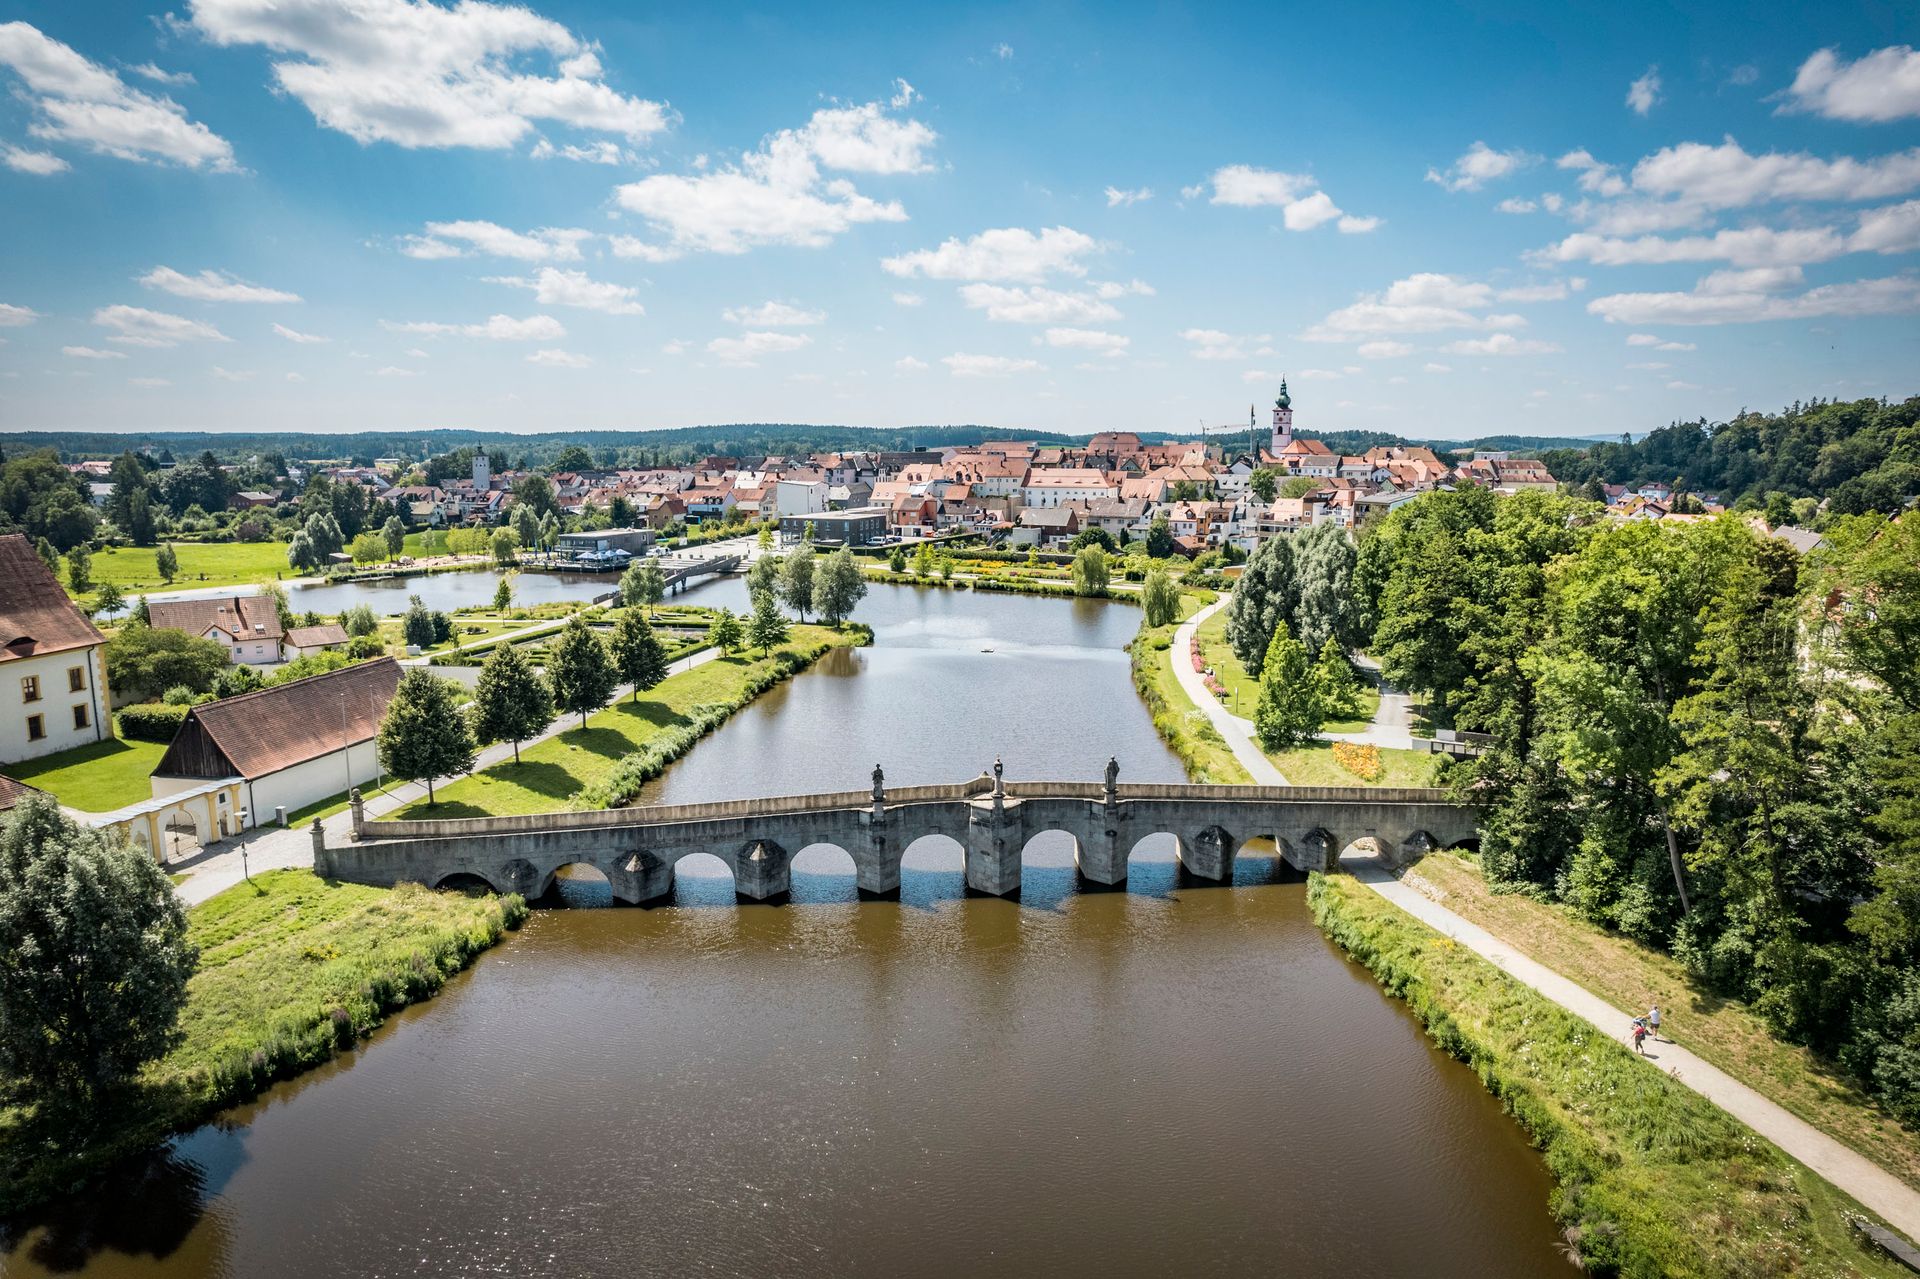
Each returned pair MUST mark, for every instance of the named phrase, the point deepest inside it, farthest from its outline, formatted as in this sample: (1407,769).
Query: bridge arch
(824,871)
(934,853)
(465,881)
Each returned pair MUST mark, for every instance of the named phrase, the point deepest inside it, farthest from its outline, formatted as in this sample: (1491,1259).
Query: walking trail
(1876,1188)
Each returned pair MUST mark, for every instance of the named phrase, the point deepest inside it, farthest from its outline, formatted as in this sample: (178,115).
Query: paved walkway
(1237,731)
(1872,1185)
(1882,1192)
(275,848)
(1392,725)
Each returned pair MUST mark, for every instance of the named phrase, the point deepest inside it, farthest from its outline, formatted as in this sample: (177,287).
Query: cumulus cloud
(1427,302)
(78,101)
(295,335)
(148,71)
(1350,225)
(232,375)
(908,299)
(1216,344)
(604,151)
(773,315)
(39,163)
(554,358)
(489,239)
(555,287)
(1727,298)
(1658,343)
(1883,86)
(137,326)
(212,286)
(1514,204)
(1644,93)
(1119,198)
(1382,350)
(961,364)
(499,328)
(749,347)
(1436,368)
(908,364)
(1007,253)
(1037,305)
(1303,206)
(1479,165)
(474,74)
(1094,340)
(1891,229)
(92,353)
(779,194)
(1728,176)
(13,317)
(1600,179)
(1500,344)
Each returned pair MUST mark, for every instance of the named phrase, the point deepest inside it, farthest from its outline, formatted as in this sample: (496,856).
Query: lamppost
(245,873)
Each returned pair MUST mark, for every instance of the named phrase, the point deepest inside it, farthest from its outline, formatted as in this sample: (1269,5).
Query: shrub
(152,721)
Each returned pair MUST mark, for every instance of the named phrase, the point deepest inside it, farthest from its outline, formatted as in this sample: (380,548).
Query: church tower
(1282,419)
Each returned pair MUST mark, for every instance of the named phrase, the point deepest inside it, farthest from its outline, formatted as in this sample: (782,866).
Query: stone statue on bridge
(1113,776)
(879,785)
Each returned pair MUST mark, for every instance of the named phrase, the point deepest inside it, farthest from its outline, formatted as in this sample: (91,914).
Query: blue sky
(355,214)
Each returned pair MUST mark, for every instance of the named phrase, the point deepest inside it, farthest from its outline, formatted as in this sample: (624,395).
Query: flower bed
(1362,759)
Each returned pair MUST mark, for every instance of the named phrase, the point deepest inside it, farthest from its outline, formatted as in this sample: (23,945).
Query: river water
(1170,1079)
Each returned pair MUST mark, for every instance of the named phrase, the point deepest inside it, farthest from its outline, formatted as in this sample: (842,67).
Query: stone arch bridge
(991,820)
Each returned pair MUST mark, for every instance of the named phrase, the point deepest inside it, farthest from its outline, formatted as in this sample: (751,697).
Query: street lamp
(245,873)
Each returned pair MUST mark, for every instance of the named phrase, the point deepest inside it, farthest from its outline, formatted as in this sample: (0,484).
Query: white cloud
(627,246)
(1424,303)
(1655,341)
(1087,340)
(908,299)
(1006,253)
(1436,368)
(1500,344)
(148,382)
(1037,305)
(1303,207)
(146,70)
(1114,289)
(500,328)
(963,365)
(1382,350)
(547,244)
(231,375)
(554,358)
(1479,165)
(1728,176)
(773,315)
(554,287)
(1595,177)
(39,163)
(212,286)
(1883,86)
(1317,375)
(1003,51)
(78,101)
(1552,291)
(1514,204)
(1119,198)
(748,347)
(777,194)
(1717,301)
(415,353)
(137,326)
(1350,225)
(92,353)
(13,317)
(1644,93)
(1315,210)
(430,75)
(394,370)
(605,151)
(1894,228)
(296,377)
(904,95)
(1214,344)
(295,335)
(908,364)
(1681,386)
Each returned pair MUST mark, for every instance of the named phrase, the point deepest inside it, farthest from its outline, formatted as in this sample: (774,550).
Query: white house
(55,696)
(247,625)
(799,497)
(1055,485)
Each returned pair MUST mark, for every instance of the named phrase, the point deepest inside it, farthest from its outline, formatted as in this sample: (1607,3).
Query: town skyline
(231,218)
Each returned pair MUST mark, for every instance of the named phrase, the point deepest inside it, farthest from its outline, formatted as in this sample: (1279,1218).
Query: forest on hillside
(1860,455)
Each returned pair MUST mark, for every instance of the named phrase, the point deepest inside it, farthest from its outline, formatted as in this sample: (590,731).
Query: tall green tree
(505,548)
(395,534)
(1160,598)
(767,626)
(94,957)
(1264,483)
(1090,575)
(1324,560)
(166,562)
(838,587)
(512,698)
(643,584)
(1335,687)
(637,652)
(416,624)
(423,735)
(725,632)
(763,577)
(1264,598)
(580,671)
(796,580)
(109,600)
(526,525)
(1288,713)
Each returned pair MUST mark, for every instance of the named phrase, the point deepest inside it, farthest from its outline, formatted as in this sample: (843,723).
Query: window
(29,688)
(80,719)
(76,678)
(36,728)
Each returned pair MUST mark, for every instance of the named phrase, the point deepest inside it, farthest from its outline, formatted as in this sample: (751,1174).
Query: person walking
(1639,1035)
(1653,1022)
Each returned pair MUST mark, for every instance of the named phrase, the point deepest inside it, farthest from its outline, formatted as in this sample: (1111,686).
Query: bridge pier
(639,878)
(762,870)
(1208,854)
(876,859)
(995,836)
(1104,844)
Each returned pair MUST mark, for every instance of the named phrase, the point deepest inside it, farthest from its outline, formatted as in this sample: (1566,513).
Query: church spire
(1282,419)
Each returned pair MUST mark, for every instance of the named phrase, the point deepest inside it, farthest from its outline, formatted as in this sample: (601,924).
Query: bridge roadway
(991,820)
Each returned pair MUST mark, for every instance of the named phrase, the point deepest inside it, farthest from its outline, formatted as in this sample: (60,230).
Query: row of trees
(1699,739)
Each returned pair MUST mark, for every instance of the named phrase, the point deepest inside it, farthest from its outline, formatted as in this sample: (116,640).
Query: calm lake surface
(1170,1079)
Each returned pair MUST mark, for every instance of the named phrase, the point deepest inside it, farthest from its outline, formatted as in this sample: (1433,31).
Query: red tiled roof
(246,616)
(12,792)
(315,636)
(275,728)
(35,614)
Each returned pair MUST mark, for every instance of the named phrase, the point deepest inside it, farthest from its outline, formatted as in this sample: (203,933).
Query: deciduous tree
(768,626)
(1160,598)
(637,652)
(796,580)
(512,698)
(1288,712)
(423,735)
(580,671)
(838,587)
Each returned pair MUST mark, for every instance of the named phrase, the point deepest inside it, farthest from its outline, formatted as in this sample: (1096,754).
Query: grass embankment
(1724,1031)
(132,568)
(1316,765)
(292,970)
(600,760)
(1243,690)
(1184,726)
(1653,1179)
(96,778)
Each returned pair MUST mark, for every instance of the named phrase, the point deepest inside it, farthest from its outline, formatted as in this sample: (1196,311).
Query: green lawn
(1243,690)
(552,770)
(96,778)
(131,568)
(1315,766)
(1182,725)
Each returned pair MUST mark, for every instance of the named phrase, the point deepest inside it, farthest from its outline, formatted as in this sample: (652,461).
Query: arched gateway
(991,819)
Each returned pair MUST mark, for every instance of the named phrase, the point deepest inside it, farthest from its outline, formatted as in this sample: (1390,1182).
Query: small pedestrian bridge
(989,818)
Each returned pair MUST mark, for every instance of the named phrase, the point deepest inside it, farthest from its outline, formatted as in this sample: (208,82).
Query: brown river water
(1171,1079)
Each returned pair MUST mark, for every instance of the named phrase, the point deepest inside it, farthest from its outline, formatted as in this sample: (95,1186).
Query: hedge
(152,721)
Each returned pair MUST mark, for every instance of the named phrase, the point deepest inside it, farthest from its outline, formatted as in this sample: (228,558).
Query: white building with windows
(54,694)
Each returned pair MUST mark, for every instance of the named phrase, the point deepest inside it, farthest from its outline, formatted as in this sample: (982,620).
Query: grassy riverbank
(135,570)
(1723,1031)
(623,741)
(1243,690)
(292,969)
(1653,1179)
(1183,726)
